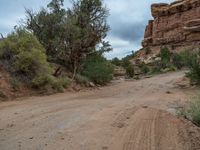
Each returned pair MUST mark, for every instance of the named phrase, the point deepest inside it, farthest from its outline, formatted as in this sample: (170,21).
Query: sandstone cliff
(176,25)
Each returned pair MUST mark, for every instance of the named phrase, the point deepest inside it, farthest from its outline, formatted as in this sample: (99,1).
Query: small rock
(120,125)
(31,138)
(144,106)
(169,92)
(10,125)
(3,95)
(62,138)
(104,147)
(91,84)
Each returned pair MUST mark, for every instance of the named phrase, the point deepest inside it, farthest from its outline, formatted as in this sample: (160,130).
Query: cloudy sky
(127,20)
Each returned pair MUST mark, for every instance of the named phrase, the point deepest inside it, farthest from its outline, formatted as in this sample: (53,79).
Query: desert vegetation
(54,38)
(191,110)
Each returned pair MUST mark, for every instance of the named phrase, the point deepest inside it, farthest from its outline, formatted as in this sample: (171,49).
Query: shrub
(165,55)
(115,61)
(144,68)
(60,84)
(42,81)
(125,62)
(64,81)
(98,69)
(130,71)
(50,82)
(31,63)
(15,83)
(82,79)
(186,58)
(178,61)
(192,110)
(168,69)
(157,68)
(24,57)
(194,66)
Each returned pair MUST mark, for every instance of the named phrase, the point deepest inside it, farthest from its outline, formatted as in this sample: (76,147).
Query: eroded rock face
(176,24)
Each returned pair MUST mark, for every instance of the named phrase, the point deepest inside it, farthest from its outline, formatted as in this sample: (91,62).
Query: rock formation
(176,25)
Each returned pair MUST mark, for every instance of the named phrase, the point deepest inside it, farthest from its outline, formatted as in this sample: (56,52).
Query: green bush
(115,61)
(15,83)
(31,63)
(64,81)
(98,70)
(130,71)
(192,110)
(25,58)
(165,55)
(49,82)
(178,61)
(82,79)
(125,62)
(144,68)
(186,58)
(23,55)
(42,81)
(192,61)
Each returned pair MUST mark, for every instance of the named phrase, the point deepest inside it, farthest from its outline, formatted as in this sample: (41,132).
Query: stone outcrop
(176,24)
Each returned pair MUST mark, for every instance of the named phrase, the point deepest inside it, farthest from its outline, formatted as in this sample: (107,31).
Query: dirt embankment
(127,115)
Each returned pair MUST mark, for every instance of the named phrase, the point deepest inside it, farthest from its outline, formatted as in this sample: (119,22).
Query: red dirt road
(128,115)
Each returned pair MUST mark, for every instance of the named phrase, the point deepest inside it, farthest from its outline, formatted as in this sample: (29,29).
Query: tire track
(150,129)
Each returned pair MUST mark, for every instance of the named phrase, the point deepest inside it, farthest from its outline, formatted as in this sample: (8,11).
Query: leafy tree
(116,61)
(47,25)
(71,35)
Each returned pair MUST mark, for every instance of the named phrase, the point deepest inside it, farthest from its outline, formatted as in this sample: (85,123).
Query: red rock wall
(174,24)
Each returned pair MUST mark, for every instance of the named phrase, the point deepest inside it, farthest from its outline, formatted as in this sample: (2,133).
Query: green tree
(116,61)
(47,25)
(71,35)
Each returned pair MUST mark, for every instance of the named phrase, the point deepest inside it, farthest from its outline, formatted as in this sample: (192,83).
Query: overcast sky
(127,20)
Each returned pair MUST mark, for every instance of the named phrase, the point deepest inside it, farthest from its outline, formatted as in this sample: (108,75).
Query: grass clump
(46,82)
(83,80)
(192,110)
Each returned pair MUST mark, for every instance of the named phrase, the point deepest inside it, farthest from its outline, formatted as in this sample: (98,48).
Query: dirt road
(127,115)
